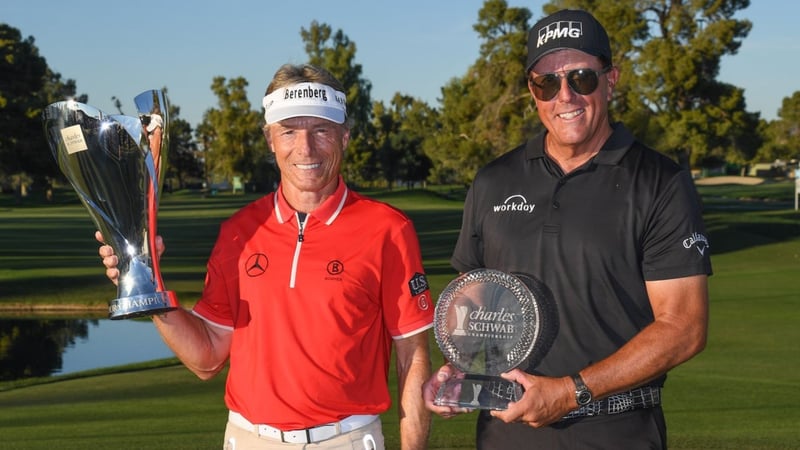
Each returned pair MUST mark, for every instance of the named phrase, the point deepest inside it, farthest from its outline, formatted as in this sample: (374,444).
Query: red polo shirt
(314,306)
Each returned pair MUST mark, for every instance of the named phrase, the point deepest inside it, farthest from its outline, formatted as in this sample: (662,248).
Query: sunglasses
(582,81)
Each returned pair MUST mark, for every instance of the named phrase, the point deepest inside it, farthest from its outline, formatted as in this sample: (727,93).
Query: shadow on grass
(53,286)
(731,230)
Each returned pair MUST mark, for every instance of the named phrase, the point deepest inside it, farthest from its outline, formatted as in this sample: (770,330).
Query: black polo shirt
(592,237)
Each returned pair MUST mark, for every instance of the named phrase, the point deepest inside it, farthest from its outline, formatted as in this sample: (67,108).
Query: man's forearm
(413,369)
(199,348)
(678,333)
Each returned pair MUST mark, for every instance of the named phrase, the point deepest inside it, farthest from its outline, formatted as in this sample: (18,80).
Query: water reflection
(44,347)
(34,348)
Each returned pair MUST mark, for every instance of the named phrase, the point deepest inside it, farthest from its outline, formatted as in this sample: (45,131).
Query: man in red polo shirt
(306,291)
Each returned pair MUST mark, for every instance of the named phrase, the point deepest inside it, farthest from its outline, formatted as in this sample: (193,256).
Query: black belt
(639,398)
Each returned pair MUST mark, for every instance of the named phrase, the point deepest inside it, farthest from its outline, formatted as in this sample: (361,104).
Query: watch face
(584,397)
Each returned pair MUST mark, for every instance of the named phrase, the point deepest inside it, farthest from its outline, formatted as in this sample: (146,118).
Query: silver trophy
(116,164)
(486,322)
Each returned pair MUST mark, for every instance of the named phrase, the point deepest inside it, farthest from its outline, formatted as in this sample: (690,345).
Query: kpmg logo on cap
(559,30)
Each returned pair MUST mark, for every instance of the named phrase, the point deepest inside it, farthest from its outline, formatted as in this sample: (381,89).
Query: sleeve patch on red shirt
(418,284)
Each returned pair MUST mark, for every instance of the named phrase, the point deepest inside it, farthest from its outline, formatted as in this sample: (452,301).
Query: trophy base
(478,392)
(142,305)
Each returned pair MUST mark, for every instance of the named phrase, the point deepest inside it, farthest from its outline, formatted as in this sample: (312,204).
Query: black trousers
(640,429)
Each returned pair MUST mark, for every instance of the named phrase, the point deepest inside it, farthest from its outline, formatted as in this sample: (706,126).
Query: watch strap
(579,384)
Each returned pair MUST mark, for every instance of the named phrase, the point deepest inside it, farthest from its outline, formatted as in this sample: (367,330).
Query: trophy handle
(152,108)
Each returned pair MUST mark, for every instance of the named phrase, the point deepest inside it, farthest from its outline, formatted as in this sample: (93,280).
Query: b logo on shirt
(422,302)
(335,267)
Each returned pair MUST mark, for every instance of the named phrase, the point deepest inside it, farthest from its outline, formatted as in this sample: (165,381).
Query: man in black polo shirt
(614,230)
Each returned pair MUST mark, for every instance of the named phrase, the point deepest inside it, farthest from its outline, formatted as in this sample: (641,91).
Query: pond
(45,347)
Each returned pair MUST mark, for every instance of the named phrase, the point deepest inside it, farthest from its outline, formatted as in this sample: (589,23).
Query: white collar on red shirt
(326,212)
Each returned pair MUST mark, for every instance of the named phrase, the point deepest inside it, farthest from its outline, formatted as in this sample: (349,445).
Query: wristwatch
(582,393)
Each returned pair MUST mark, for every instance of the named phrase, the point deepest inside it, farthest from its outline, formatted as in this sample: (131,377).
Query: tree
(336,53)
(183,162)
(783,134)
(489,110)
(679,66)
(399,133)
(22,71)
(34,348)
(231,136)
(27,86)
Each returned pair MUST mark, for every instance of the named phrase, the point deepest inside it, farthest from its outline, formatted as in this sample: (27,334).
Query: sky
(122,48)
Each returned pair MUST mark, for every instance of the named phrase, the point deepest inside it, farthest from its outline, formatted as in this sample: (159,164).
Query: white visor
(305,99)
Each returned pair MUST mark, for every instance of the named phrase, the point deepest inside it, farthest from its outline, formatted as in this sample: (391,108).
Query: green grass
(161,408)
(740,393)
(770,191)
(48,254)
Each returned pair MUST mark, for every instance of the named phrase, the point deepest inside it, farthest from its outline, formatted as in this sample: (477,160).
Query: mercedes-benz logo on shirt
(256,264)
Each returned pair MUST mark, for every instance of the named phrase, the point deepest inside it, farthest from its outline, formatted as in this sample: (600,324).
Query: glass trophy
(486,322)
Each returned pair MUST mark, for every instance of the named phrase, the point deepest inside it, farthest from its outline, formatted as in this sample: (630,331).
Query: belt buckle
(304,436)
(327,431)
(295,437)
